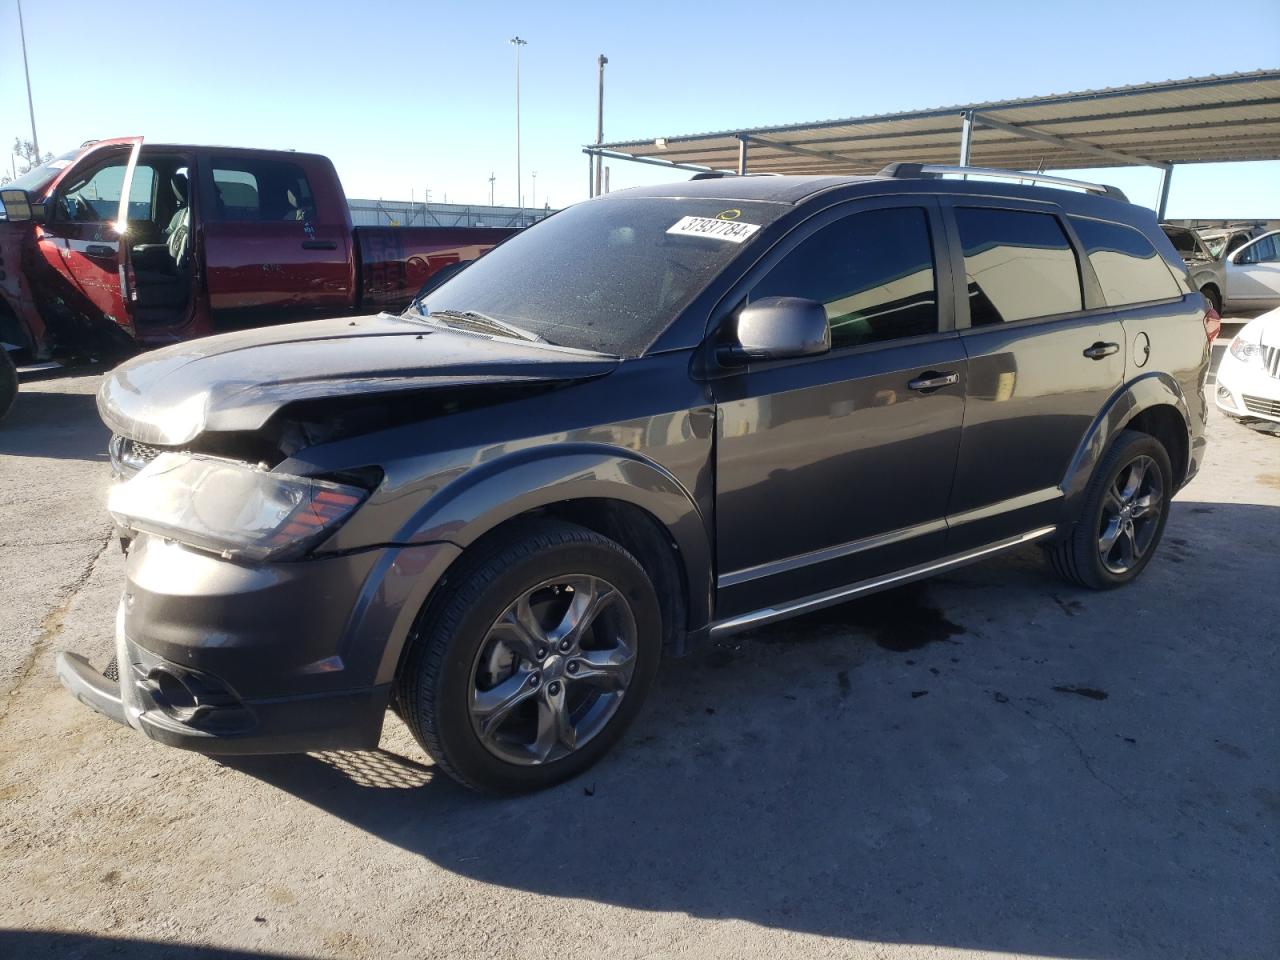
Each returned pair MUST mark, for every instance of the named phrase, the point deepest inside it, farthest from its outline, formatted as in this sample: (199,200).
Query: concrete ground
(990,763)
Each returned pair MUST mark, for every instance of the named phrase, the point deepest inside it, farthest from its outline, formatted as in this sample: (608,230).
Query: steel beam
(1079,146)
(616,155)
(800,151)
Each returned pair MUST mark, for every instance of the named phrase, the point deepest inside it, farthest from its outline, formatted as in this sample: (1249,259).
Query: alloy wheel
(1131,511)
(552,670)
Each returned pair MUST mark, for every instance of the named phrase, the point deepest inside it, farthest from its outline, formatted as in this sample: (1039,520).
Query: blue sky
(414,96)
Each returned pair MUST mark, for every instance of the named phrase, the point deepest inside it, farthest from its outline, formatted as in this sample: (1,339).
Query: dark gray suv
(664,414)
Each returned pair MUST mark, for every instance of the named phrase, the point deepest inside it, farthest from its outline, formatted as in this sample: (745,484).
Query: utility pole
(22,32)
(602,60)
(491,178)
(518,43)
(533,200)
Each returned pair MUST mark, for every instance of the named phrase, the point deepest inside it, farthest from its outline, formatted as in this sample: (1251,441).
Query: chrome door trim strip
(735,577)
(1005,506)
(817,601)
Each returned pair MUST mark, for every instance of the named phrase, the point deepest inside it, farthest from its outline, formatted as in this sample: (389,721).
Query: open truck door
(83,238)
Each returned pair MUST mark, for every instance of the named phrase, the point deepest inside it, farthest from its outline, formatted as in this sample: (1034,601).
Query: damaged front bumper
(224,658)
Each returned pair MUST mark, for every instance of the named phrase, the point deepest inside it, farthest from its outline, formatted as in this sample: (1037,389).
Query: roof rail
(910,171)
(721,174)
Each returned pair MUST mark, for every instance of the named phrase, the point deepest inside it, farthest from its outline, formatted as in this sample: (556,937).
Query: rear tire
(532,658)
(8,383)
(1122,517)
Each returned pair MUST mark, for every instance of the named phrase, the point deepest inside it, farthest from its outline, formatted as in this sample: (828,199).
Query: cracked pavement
(989,763)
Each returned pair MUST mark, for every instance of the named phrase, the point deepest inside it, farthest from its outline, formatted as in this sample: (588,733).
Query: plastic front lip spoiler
(91,688)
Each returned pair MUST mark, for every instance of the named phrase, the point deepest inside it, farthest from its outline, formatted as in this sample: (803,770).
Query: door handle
(1100,350)
(933,380)
(319,245)
(99,250)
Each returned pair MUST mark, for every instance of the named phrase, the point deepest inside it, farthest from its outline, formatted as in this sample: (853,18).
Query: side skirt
(757,618)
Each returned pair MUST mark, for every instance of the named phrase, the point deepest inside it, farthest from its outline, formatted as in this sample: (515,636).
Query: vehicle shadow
(62,426)
(39,944)
(988,761)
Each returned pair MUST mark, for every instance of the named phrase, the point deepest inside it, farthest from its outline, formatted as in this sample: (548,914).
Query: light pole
(518,43)
(533,200)
(602,60)
(491,179)
(22,32)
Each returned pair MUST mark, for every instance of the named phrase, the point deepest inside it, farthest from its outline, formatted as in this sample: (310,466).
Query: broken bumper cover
(333,721)
(231,659)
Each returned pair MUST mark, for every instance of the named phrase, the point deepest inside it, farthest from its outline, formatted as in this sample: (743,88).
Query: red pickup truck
(119,245)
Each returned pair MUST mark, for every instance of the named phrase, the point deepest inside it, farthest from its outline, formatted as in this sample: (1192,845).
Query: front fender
(1150,390)
(486,496)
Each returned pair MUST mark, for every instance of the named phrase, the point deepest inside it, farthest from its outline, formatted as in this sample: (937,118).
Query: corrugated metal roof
(1198,120)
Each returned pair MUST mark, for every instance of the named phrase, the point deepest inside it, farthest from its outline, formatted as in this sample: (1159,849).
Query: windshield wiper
(486,322)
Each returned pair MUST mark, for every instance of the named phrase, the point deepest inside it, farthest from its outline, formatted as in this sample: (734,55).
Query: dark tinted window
(607,275)
(1127,266)
(1264,251)
(260,189)
(1018,265)
(872,271)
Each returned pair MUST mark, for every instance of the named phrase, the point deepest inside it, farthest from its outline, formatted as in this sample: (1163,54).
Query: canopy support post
(742,156)
(966,136)
(1166,175)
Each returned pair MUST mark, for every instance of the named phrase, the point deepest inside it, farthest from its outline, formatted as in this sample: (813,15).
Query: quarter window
(260,189)
(1127,266)
(872,271)
(1018,265)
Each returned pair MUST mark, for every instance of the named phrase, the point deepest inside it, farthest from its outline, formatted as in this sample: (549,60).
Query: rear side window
(872,271)
(1128,268)
(1018,265)
(260,189)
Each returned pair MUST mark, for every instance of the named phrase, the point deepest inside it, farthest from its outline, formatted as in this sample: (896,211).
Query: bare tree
(28,159)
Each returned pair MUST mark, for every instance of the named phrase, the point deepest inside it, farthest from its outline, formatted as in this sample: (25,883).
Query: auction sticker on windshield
(734,231)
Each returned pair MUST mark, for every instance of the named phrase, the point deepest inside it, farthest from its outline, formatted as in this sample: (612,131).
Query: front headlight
(1246,351)
(231,508)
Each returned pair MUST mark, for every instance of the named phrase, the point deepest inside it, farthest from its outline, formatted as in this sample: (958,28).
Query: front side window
(1127,266)
(260,189)
(872,271)
(1018,265)
(96,197)
(1264,251)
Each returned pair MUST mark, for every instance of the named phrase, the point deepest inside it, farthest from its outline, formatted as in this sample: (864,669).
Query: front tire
(1123,516)
(8,383)
(532,658)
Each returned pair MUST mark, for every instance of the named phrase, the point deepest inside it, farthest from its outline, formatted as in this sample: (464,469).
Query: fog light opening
(1224,396)
(171,695)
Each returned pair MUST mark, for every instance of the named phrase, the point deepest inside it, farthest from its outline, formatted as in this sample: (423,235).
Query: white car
(1249,374)
(1253,275)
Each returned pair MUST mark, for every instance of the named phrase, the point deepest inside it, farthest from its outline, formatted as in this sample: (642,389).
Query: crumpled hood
(237,381)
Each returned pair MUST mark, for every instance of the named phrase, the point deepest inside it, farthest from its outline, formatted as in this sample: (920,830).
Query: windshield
(37,178)
(607,276)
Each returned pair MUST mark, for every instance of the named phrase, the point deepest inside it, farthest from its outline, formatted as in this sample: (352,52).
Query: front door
(1253,274)
(1041,366)
(834,469)
(81,241)
(274,249)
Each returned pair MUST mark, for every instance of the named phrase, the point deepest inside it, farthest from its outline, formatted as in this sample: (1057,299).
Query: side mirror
(778,328)
(18,206)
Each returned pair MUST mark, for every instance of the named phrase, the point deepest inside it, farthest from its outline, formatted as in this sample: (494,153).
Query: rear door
(1042,362)
(834,469)
(276,242)
(1253,274)
(84,239)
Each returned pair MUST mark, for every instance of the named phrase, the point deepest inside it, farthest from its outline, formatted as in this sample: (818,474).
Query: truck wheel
(1214,298)
(532,659)
(1122,519)
(8,383)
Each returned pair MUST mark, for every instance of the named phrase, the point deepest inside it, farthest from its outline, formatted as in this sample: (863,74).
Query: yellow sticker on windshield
(728,214)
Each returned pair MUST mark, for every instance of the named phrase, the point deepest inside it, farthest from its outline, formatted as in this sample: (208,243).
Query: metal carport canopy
(1212,119)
